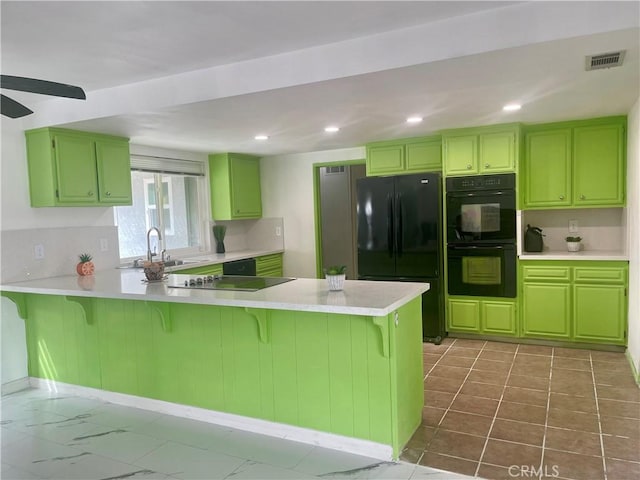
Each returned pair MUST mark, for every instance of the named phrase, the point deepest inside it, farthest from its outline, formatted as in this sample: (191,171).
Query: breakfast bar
(338,369)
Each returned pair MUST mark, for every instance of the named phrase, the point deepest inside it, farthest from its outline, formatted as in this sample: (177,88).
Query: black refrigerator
(399,236)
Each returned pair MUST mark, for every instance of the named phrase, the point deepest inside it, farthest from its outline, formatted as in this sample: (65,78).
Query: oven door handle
(474,247)
(390,225)
(482,194)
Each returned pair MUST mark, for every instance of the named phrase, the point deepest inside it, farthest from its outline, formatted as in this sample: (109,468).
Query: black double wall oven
(481,235)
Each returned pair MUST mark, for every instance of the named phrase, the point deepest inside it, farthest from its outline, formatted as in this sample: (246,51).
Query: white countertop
(581,255)
(302,294)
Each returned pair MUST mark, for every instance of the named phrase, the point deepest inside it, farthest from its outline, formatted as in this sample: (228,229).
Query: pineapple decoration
(85,267)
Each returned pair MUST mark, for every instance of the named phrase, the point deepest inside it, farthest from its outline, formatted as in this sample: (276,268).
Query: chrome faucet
(149,254)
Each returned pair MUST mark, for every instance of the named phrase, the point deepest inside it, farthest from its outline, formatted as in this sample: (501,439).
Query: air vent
(604,60)
(334,170)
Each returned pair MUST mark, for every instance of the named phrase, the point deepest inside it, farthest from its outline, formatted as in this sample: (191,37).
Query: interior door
(417,219)
(375,226)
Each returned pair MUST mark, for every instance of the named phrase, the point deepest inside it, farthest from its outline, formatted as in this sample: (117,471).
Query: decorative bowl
(153,270)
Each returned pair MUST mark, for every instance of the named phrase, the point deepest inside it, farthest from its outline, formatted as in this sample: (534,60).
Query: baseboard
(254,425)
(539,341)
(15,386)
(634,370)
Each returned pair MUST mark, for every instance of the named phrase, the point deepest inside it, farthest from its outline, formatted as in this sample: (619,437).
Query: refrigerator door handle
(399,225)
(390,225)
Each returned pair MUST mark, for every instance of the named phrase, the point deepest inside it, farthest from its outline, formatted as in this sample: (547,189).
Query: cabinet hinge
(53,144)
(57,193)
(625,292)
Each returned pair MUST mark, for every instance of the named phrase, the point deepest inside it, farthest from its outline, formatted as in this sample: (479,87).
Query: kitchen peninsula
(338,369)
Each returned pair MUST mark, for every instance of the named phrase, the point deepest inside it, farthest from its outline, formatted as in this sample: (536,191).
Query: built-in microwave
(485,270)
(481,209)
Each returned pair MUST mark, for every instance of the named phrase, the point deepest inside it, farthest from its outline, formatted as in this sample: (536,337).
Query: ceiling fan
(12,109)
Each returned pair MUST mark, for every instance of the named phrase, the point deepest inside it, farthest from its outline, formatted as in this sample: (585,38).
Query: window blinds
(148,163)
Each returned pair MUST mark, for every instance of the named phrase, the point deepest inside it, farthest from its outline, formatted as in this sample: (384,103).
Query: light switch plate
(38,251)
(573,226)
(104,245)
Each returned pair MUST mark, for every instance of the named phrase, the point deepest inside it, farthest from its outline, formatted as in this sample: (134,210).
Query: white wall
(633,225)
(287,192)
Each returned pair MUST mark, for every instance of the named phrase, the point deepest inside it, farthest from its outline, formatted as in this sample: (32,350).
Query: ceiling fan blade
(43,87)
(12,109)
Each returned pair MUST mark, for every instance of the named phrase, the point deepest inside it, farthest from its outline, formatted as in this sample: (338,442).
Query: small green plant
(336,270)
(573,239)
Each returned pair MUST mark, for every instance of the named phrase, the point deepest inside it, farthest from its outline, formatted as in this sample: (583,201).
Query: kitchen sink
(167,263)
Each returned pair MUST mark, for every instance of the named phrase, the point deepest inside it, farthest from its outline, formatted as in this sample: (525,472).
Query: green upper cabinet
(574,164)
(411,155)
(482,150)
(235,186)
(598,174)
(71,168)
(547,169)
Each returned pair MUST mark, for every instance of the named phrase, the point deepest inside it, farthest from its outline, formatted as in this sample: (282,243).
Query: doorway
(336,214)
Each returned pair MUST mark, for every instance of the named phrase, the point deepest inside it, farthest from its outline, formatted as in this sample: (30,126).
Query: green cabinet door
(497,152)
(385,159)
(235,186)
(598,165)
(498,317)
(545,310)
(246,199)
(76,169)
(205,270)
(269,265)
(547,169)
(463,315)
(424,156)
(460,154)
(114,172)
(600,313)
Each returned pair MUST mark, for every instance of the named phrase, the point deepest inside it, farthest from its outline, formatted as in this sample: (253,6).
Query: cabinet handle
(486,165)
(469,167)
(108,194)
(582,197)
(90,193)
(395,317)
(561,197)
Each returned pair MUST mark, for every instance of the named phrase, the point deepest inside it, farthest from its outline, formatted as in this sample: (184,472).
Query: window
(166,195)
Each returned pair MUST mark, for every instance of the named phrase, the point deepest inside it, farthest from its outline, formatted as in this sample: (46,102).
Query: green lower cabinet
(600,313)
(578,301)
(546,310)
(482,315)
(499,317)
(269,265)
(205,270)
(463,315)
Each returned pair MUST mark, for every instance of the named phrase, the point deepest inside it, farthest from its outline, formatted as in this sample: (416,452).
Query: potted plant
(335,276)
(573,243)
(85,266)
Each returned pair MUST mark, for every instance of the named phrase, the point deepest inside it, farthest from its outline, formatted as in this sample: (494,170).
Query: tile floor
(495,410)
(45,435)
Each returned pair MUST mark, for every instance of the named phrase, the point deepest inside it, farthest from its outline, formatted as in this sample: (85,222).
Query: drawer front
(550,274)
(205,270)
(600,275)
(269,261)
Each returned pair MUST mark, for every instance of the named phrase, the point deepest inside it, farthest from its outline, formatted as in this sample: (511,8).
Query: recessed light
(331,129)
(261,137)
(414,119)
(512,107)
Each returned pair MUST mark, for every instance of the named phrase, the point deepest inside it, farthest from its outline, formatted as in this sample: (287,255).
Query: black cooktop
(225,282)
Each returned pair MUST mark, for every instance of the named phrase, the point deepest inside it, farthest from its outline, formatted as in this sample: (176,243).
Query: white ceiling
(208,76)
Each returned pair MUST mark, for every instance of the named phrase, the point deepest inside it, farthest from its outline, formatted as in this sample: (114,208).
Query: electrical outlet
(38,251)
(278,231)
(104,245)
(573,226)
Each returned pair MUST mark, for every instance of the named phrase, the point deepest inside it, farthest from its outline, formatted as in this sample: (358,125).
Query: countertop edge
(244,303)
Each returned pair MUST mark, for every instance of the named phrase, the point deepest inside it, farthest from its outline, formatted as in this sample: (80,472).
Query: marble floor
(46,435)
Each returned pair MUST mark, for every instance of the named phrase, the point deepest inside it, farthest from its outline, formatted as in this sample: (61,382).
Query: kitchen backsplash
(261,234)
(61,249)
(601,229)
